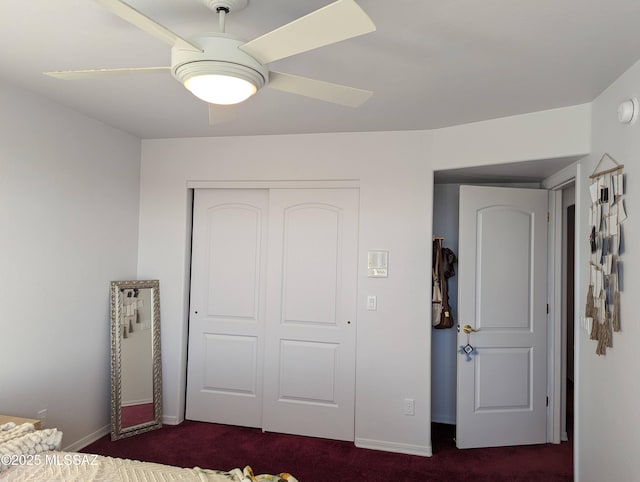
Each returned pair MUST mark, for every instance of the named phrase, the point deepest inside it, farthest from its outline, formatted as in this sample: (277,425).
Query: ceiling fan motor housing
(220,56)
(229,5)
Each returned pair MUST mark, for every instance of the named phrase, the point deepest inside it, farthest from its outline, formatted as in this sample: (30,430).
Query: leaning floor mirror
(136,371)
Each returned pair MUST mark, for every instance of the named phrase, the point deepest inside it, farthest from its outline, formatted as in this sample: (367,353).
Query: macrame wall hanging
(606,216)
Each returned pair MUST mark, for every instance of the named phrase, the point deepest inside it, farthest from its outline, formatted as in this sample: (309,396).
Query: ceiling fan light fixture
(220,89)
(218,82)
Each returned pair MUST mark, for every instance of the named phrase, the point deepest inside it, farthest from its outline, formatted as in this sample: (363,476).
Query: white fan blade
(92,74)
(221,113)
(338,21)
(140,20)
(318,89)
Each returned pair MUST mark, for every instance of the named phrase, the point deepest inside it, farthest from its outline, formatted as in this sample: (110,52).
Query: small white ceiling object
(628,111)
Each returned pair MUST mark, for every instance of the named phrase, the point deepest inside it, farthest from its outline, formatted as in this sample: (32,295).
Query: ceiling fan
(222,69)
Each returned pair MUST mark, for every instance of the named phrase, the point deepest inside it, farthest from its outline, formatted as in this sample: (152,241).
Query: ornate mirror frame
(121,316)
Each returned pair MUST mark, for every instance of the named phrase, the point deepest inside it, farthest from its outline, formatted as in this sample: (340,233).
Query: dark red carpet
(225,447)
(137,414)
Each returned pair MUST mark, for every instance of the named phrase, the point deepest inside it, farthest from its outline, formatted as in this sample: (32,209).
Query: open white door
(501,393)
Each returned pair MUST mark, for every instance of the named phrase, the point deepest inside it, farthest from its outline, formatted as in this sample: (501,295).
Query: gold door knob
(468,329)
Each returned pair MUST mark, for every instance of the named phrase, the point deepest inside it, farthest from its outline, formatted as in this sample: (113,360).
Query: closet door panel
(226,322)
(311,313)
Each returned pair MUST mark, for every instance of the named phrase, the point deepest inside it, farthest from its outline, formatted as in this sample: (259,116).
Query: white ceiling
(430,63)
(513,172)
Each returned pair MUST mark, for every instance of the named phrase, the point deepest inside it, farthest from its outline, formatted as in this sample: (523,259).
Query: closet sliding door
(227,315)
(273,310)
(311,313)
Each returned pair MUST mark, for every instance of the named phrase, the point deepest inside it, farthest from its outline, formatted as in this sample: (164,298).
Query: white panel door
(501,394)
(226,322)
(309,379)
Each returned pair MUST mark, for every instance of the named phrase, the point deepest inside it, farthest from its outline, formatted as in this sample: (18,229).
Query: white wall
(549,134)
(69,214)
(395,172)
(608,413)
(69,221)
(395,199)
(69,210)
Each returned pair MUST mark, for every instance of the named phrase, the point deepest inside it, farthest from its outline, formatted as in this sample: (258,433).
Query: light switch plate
(372,303)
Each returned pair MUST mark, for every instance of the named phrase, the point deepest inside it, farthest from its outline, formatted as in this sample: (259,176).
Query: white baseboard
(98,434)
(424,450)
(171,420)
(89,439)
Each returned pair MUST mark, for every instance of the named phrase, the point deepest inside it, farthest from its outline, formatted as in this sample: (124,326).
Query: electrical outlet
(409,406)
(42,416)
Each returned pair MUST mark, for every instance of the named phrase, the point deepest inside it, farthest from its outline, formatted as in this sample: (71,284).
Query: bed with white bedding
(27,454)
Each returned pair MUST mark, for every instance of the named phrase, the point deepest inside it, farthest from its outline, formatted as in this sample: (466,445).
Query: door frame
(554,318)
(557,363)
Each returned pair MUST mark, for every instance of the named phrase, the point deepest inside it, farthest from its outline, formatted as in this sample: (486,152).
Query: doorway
(502,295)
(568,309)
(443,348)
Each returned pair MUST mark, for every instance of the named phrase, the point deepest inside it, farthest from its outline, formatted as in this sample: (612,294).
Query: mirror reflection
(136,404)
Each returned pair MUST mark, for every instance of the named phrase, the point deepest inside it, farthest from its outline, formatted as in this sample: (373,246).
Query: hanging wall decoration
(606,216)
